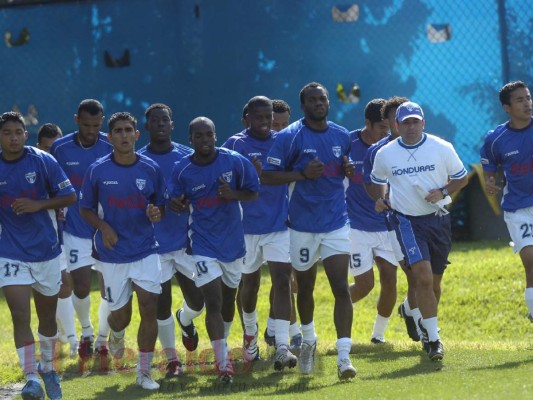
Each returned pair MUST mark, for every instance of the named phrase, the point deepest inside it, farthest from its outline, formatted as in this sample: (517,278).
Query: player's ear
(137,134)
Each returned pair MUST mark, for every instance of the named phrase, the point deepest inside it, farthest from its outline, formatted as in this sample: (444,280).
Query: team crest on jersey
(31,177)
(141,183)
(227,176)
(337,151)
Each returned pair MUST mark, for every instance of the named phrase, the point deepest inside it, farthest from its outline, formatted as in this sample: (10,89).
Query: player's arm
(109,236)
(453,185)
(25,205)
(490,182)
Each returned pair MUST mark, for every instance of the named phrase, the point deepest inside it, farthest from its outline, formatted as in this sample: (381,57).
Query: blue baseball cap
(409,110)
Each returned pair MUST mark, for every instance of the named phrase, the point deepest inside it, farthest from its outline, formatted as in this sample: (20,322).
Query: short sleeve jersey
(512,150)
(171,231)
(413,170)
(215,228)
(269,212)
(30,237)
(315,205)
(75,160)
(120,194)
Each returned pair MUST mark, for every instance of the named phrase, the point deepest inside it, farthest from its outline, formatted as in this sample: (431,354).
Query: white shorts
(365,246)
(208,269)
(119,279)
(398,255)
(78,251)
(268,247)
(43,276)
(176,261)
(520,226)
(63,260)
(307,248)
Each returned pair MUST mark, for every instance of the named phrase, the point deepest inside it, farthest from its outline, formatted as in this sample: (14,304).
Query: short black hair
(280,106)
(258,101)
(92,106)
(12,116)
(506,90)
(245,111)
(201,119)
(392,104)
(373,110)
(48,131)
(157,106)
(121,116)
(311,85)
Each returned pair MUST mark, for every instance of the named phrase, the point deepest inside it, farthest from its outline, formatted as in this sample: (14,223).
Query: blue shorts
(425,237)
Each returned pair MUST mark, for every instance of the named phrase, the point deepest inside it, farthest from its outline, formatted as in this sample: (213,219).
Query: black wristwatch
(444,192)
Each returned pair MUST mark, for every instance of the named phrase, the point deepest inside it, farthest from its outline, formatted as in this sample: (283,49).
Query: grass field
(487,339)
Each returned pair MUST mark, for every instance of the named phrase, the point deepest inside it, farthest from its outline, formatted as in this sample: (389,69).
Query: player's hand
(314,169)
(178,204)
(25,206)
(224,190)
(434,196)
(491,187)
(258,166)
(382,205)
(109,236)
(153,213)
(349,167)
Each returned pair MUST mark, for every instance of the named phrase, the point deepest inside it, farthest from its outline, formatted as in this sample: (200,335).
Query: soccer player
(171,234)
(313,153)
(212,182)
(46,136)
(421,171)
(266,237)
(122,195)
(32,186)
(370,240)
(281,116)
(510,148)
(75,152)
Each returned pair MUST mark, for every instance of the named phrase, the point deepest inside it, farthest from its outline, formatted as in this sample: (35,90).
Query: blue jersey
(216,223)
(269,212)
(512,150)
(370,156)
(171,231)
(361,210)
(75,159)
(30,237)
(120,194)
(316,205)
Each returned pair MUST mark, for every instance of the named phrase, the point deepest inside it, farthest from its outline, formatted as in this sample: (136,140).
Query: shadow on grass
(506,365)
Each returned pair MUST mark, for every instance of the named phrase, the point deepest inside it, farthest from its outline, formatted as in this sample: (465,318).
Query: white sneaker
(250,350)
(307,357)
(345,369)
(116,345)
(284,358)
(145,381)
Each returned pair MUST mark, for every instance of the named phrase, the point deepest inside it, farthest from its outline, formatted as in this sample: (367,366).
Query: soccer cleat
(174,369)
(225,373)
(226,378)
(52,384)
(116,345)
(32,390)
(424,338)
(250,350)
(345,369)
(270,340)
(189,335)
(410,323)
(436,351)
(377,340)
(296,344)
(284,358)
(307,357)
(86,347)
(145,381)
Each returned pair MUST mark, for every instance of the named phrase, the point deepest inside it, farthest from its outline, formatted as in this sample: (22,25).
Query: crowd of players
(280,194)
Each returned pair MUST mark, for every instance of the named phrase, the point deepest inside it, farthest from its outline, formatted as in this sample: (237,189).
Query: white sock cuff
(165,322)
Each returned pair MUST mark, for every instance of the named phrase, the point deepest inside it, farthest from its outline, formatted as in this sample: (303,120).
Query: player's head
(123,132)
(13,134)
(89,118)
(314,101)
(202,136)
(374,121)
(159,123)
(388,112)
(46,135)
(259,116)
(244,114)
(281,116)
(410,122)
(516,101)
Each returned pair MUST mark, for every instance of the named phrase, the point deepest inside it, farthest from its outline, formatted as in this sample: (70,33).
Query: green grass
(487,337)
